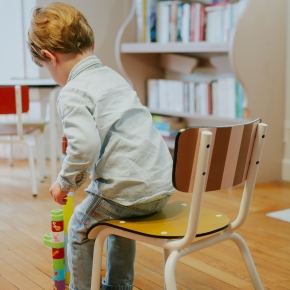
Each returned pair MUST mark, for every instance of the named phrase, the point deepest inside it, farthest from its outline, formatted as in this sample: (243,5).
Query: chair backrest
(8,100)
(228,161)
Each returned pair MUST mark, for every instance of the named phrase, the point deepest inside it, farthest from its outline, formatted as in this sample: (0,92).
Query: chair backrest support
(8,101)
(190,159)
(15,100)
(229,157)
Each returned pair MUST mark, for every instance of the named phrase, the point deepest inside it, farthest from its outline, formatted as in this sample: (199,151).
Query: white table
(43,83)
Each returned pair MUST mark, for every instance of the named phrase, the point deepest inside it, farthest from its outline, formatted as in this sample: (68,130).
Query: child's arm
(77,114)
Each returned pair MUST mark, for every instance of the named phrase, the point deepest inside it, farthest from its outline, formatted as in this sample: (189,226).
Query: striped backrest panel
(229,156)
(8,102)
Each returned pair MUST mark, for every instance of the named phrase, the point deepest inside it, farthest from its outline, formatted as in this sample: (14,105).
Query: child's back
(133,163)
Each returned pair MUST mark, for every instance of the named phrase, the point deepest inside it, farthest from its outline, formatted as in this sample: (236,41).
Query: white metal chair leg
(166,253)
(248,261)
(169,273)
(32,169)
(39,156)
(97,263)
(11,152)
(43,155)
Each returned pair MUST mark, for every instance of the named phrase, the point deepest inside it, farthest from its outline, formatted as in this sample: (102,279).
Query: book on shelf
(169,126)
(163,21)
(197,22)
(173,22)
(151,20)
(146,20)
(223,97)
(178,21)
(185,31)
(139,20)
(239,100)
(164,119)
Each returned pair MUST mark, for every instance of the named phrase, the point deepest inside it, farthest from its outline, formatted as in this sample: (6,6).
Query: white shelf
(199,117)
(202,47)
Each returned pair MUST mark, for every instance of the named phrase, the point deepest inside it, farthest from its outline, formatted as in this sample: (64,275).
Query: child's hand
(58,194)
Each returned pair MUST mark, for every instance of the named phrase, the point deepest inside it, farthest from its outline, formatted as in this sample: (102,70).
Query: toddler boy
(110,137)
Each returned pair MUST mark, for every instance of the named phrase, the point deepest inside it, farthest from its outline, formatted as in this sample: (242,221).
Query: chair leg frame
(170,266)
(101,235)
(40,161)
(32,168)
(166,254)
(30,159)
(172,256)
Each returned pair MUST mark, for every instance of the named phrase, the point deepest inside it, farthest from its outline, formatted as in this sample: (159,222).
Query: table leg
(52,130)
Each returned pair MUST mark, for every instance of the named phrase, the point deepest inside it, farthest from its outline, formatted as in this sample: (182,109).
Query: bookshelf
(204,48)
(255,56)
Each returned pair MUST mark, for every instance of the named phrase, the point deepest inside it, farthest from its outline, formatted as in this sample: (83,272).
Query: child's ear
(50,56)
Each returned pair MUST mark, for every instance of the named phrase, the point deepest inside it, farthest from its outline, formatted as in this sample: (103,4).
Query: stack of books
(168,126)
(220,98)
(178,21)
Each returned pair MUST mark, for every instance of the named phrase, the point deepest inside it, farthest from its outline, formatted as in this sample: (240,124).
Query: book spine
(151,20)
(162,126)
(197,22)
(209,99)
(173,22)
(179,21)
(185,30)
(191,97)
(139,20)
(152,94)
(144,8)
(202,23)
(163,14)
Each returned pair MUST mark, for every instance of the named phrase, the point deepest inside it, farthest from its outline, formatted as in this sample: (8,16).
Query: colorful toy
(58,238)
(55,240)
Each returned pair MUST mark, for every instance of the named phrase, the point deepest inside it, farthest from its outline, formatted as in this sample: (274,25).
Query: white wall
(104,16)
(286,159)
(11,40)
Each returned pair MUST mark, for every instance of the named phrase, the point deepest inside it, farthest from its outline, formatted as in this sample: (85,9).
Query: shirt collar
(87,63)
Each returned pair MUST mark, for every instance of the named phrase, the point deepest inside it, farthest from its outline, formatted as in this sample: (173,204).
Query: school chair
(14,101)
(205,159)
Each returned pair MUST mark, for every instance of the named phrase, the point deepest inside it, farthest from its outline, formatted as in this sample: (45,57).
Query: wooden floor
(25,263)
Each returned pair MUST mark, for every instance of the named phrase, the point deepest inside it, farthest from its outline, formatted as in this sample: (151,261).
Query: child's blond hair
(58,27)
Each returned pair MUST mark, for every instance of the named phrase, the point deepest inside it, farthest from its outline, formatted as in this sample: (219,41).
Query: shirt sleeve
(77,114)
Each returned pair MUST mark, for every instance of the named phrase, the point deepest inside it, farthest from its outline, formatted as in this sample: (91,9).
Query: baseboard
(286,170)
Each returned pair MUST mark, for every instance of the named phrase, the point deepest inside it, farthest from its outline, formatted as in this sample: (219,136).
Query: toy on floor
(57,239)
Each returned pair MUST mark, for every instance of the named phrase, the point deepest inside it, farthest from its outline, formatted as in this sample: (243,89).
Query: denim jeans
(120,252)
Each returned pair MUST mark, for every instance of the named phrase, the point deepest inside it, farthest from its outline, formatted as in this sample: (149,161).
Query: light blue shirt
(111,137)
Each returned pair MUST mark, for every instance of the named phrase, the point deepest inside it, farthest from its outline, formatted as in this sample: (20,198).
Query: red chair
(15,101)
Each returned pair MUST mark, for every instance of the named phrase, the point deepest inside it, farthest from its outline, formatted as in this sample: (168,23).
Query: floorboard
(25,263)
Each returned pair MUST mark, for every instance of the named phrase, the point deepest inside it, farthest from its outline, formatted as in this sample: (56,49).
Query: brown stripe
(185,159)
(253,135)
(232,156)
(218,159)
(243,154)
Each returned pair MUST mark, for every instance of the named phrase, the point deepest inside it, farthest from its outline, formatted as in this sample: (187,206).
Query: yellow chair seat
(171,222)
